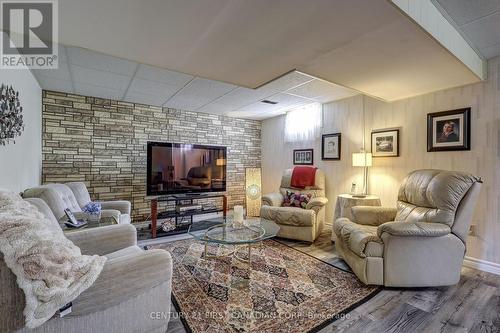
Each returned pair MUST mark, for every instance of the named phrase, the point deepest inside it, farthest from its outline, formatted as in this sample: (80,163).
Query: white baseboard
(482,265)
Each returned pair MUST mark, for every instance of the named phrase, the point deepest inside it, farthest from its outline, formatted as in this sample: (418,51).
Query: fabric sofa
(74,196)
(133,285)
(297,223)
(421,242)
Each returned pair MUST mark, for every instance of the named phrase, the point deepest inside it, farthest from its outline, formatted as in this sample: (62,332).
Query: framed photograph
(330,146)
(448,130)
(385,143)
(303,157)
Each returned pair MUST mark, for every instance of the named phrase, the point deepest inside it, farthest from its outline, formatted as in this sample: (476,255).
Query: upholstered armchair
(82,196)
(133,285)
(297,223)
(60,197)
(419,243)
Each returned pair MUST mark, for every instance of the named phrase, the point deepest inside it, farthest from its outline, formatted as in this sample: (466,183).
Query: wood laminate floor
(473,305)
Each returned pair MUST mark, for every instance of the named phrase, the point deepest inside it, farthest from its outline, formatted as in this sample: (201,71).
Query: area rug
(281,290)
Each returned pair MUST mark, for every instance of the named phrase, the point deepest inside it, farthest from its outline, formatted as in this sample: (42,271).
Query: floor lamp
(253,191)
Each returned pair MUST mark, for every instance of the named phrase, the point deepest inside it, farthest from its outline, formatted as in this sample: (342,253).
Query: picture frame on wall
(385,143)
(303,156)
(331,146)
(449,130)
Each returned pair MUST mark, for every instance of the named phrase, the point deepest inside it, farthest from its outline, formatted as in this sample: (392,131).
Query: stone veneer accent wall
(103,143)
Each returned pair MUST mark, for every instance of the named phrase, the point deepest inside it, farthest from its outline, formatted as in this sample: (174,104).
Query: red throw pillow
(296,199)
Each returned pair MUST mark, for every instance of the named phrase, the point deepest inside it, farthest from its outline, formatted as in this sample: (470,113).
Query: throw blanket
(50,269)
(303,177)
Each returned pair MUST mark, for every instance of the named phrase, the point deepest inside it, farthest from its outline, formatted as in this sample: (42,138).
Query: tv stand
(188,196)
(176,215)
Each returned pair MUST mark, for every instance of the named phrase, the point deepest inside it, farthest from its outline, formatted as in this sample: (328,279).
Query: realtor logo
(30,35)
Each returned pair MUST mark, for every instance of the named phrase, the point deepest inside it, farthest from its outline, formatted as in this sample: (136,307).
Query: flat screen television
(174,168)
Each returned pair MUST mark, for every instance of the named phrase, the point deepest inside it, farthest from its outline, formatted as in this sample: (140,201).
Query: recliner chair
(60,197)
(133,285)
(420,243)
(297,223)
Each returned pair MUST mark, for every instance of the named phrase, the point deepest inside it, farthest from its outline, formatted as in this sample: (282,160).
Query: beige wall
(409,115)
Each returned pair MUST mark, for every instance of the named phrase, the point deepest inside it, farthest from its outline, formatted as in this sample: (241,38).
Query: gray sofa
(75,196)
(421,242)
(297,223)
(132,285)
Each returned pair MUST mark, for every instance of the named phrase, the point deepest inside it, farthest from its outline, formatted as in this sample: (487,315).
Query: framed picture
(385,143)
(303,157)
(330,146)
(448,130)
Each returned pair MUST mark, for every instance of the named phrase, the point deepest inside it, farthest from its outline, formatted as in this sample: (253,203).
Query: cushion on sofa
(292,216)
(360,239)
(296,199)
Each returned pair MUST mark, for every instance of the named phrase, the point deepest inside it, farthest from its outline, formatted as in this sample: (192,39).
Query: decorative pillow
(296,199)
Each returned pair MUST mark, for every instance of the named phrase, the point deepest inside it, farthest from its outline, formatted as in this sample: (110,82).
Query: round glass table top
(252,230)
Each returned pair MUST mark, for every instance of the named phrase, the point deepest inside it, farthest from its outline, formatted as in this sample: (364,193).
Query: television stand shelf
(178,199)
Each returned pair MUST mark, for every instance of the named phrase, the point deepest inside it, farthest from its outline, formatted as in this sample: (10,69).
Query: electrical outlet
(472,230)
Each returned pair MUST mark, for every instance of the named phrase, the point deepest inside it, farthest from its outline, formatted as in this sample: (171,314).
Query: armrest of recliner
(125,278)
(273,199)
(121,205)
(414,229)
(373,215)
(104,240)
(317,203)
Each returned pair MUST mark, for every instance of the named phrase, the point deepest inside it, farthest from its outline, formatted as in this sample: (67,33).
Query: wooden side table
(346,201)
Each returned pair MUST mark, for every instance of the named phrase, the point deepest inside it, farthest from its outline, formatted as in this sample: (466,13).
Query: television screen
(184,168)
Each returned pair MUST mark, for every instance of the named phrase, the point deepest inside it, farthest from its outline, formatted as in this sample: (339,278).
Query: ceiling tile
(62,53)
(491,51)
(61,73)
(100,78)
(239,97)
(149,99)
(162,90)
(285,102)
(198,93)
(287,81)
(157,74)
(215,109)
(99,61)
(484,32)
(463,11)
(322,91)
(56,84)
(98,91)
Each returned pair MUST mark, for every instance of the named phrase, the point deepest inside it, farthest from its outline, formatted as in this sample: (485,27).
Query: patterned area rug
(281,290)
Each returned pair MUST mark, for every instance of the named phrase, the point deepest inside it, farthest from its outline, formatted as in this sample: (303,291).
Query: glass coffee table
(236,235)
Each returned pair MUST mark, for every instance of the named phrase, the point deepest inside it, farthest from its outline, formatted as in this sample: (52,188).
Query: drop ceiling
(369,46)
(92,73)
(478,21)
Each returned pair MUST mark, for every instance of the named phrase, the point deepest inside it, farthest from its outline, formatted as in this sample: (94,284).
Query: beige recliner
(297,223)
(421,242)
(131,294)
(74,196)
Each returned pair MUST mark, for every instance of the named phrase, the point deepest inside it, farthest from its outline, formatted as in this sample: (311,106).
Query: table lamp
(362,159)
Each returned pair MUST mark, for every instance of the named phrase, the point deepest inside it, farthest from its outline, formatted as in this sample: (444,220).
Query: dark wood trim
(339,135)
(466,135)
(154,217)
(383,131)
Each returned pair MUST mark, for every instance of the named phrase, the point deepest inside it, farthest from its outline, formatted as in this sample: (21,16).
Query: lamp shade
(220,161)
(362,159)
